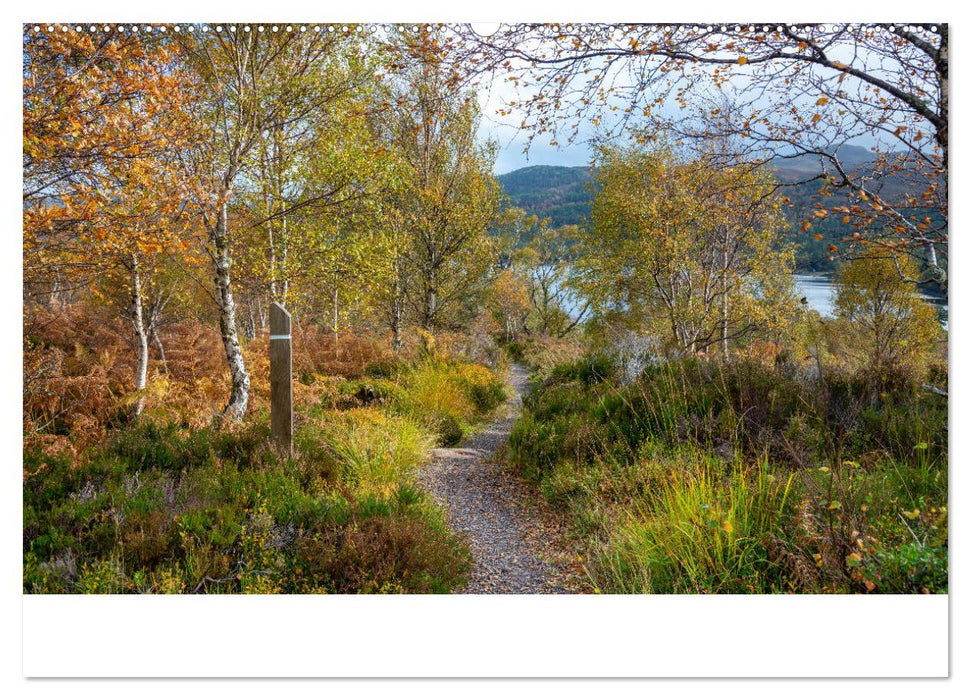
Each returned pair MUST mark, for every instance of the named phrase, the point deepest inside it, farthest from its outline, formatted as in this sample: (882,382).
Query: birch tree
(102,202)
(449,197)
(253,84)
(689,250)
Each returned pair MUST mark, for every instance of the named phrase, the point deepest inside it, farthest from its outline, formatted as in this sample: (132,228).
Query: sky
(511,156)
(511,141)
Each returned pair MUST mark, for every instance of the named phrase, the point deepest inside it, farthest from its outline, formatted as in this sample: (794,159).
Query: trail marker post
(281,379)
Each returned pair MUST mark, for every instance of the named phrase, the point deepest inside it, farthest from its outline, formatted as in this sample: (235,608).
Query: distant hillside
(801,167)
(556,192)
(564,195)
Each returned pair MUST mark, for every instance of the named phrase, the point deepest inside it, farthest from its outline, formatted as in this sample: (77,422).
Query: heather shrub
(161,508)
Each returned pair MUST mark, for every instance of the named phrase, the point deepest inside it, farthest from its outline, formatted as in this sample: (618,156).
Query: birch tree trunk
(431,300)
(724,309)
(141,336)
(336,336)
(239,395)
(396,317)
(161,349)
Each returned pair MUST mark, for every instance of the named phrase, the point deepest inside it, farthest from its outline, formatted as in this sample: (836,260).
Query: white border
(476,636)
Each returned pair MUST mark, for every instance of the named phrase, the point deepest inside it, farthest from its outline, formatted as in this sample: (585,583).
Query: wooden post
(281,379)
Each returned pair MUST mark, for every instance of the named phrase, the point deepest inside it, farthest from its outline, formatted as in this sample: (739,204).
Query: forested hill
(564,195)
(560,193)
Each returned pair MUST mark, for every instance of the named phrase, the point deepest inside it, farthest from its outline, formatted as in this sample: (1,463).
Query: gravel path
(513,543)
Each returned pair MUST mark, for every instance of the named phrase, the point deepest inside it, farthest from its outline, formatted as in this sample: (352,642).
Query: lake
(818,289)
(820,293)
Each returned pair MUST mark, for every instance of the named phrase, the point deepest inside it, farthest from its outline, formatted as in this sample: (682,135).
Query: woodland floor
(517,545)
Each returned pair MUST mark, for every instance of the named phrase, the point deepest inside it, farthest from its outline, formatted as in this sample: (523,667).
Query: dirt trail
(512,542)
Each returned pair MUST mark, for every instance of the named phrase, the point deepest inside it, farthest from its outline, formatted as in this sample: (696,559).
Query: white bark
(141,336)
(239,395)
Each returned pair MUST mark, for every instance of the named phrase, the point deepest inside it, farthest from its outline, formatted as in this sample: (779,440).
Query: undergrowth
(710,476)
(169,505)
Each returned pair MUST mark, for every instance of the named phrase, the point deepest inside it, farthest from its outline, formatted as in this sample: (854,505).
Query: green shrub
(149,445)
(911,568)
(384,369)
(516,350)
(387,553)
(448,398)
(589,369)
(449,430)
(487,397)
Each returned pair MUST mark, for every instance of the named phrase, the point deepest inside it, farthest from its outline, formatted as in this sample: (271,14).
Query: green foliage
(741,476)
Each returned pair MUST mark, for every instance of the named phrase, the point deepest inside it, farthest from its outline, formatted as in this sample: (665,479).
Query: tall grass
(376,453)
(448,397)
(698,533)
